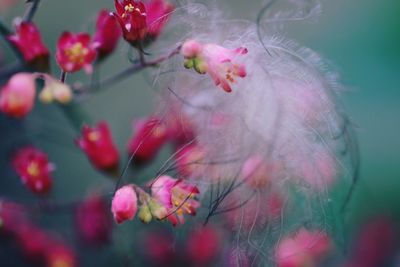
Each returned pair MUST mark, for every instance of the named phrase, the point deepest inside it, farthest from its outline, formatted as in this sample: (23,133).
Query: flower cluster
(170,199)
(36,244)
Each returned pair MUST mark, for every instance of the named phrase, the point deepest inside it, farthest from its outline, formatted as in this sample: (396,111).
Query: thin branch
(31,11)
(119,77)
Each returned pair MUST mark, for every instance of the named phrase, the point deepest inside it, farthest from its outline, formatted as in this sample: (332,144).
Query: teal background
(360,37)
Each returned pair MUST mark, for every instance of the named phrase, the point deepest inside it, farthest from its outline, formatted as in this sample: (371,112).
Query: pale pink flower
(220,63)
(18,96)
(306,248)
(124,204)
(256,172)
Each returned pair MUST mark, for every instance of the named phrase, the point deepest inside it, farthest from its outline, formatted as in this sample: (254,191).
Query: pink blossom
(93,222)
(220,63)
(257,173)
(204,245)
(176,196)
(158,12)
(124,204)
(149,136)
(320,171)
(190,160)
(17,97)
(306,248)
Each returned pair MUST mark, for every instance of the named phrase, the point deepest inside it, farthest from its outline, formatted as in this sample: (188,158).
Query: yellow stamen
(77,53)
(94,136)
(129,8)
(33,169)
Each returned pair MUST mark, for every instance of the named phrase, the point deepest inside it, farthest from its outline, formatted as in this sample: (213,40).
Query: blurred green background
(360,37)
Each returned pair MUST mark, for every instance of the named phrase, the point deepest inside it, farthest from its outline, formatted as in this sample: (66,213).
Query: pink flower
(158,12)
(320,170)
(203,246)
(74,52)
(190,161)
(306,248)
(124,204)
(256,172)
(98,146)
(220,63)
(108,33)
(179,126)
(177,196)
(93,222)
(17,97)
(149,137)
(28,41)
(256,210)
(34,169)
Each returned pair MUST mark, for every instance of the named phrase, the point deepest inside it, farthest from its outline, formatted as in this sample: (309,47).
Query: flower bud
(98,146)
(145,214)
(124,204)
(18,96)
(28,41)
(55,90)
(191,49)
(108,33)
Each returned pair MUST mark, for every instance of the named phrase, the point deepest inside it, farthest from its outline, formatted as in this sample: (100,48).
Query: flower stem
(110,81)
(31,11)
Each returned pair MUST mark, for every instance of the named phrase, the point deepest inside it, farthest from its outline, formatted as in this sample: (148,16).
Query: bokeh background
(361,38)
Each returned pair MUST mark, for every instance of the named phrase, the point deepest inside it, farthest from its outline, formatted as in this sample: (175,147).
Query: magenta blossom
(177,196)
(124,204)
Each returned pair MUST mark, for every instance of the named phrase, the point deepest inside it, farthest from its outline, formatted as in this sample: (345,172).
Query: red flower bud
(107,34)
(93,222)
(28,41)
(34,169)
(17,97)
(74,52)
(124,204)
(98,146)
(150,135)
